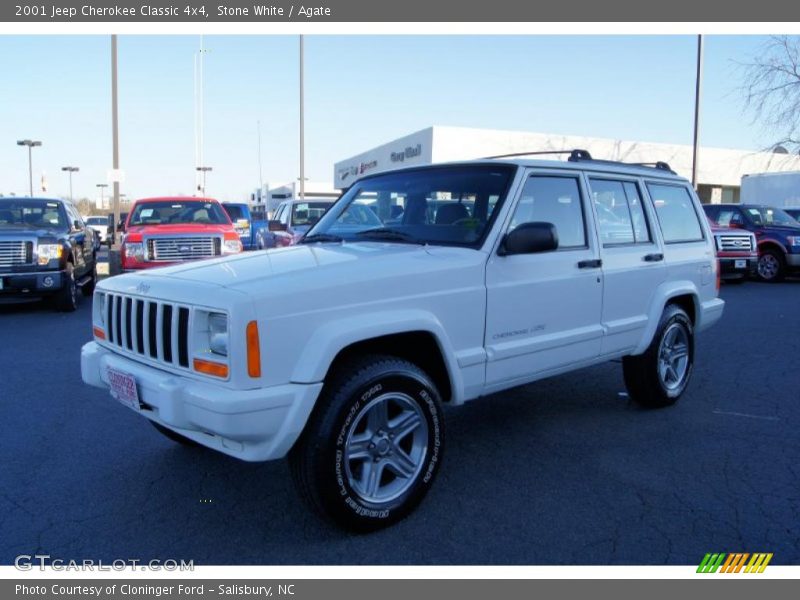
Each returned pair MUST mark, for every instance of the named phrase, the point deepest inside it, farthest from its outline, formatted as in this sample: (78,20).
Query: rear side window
(556,200)
(676,213)
(620,216)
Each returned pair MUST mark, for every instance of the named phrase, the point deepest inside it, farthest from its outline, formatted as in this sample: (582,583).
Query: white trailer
(781,190)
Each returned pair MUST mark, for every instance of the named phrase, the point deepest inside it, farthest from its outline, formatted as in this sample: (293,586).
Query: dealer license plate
(740,264)
(123,388)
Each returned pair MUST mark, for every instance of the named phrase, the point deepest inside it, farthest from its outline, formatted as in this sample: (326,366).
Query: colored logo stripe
(734,562)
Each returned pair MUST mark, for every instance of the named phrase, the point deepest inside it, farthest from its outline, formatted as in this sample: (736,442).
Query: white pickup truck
(418,288)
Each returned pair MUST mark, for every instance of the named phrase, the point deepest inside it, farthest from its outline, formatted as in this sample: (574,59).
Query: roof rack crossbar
(659,164)
(574,155)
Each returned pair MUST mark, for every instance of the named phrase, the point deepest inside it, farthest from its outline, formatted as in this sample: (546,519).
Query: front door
(543,310)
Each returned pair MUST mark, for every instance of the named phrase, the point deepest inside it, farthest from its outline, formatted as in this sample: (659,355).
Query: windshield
(235,211)
(440,205)
(32,214)
(97,221)
(305,214)
(177,212)
(763,215)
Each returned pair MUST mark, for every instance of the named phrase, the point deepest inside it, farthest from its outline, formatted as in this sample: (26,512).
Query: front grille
(735,243)
(182,248)
(13,253)
(149,328)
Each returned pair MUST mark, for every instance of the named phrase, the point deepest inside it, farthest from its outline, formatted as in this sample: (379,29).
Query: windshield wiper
(321,237)
(387,233)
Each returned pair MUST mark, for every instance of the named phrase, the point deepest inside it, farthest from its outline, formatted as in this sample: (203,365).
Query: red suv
(163,231)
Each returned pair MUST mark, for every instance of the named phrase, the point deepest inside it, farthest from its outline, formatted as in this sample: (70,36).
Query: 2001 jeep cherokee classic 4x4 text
(419,287)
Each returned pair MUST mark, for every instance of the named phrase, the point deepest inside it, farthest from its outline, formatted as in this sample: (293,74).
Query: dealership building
(719,174)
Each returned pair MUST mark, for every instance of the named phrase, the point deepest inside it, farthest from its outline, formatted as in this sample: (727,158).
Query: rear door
(633,259)
(543,310)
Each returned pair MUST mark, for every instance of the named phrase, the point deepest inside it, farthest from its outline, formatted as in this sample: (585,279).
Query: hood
(181,229)
(10,233)
(785,228)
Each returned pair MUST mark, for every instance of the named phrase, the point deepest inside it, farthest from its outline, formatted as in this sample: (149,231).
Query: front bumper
(728,266)
(32,283)
(252,425)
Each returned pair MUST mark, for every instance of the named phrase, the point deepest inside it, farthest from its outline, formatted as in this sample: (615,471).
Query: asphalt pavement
(565,471)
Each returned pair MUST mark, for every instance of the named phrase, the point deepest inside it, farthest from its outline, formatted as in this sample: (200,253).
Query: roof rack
(578,155)
(574,155)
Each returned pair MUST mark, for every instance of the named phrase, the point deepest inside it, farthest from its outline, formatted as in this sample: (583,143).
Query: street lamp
(70,170)
(203,170)
(102,187)
(31,144)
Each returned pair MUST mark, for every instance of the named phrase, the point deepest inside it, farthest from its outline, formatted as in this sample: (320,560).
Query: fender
(329,340)
(663,294)
(774,241)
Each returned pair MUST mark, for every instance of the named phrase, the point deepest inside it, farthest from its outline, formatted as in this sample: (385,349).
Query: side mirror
(276,226)
(121,226)
(76,224)
(530,238)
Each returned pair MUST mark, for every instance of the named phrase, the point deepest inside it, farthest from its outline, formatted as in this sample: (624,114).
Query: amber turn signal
(210,368)
(253,350)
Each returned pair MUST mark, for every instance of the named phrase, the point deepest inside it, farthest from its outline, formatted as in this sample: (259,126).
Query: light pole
(70,170)
(31,144)
(302,127)
(203,171)
(697,89)
(102,187)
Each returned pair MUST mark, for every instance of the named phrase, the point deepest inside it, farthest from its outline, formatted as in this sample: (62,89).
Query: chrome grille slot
(170,249)
(157,331)
(735,243)
(13,253)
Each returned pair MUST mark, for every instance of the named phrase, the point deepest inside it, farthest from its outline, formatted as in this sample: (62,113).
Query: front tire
(658,377)
(66,299)
(771,266)
(373,444)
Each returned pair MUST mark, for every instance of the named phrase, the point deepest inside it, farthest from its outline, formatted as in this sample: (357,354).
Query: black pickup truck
(46,251)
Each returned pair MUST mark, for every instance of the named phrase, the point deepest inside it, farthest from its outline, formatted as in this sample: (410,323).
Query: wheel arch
(418,338)
(681,293)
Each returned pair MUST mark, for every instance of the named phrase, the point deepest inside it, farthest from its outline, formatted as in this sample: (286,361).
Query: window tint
(620,216)
(168,212)
(676,213)
(556,200)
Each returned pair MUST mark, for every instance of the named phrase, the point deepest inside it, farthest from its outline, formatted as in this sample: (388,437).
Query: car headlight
(231,246)
(794,240)
(135,250)
(218,333)
(48,252)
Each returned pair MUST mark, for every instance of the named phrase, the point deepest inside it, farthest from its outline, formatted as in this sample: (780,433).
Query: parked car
(777,233)
(162,231)
(112,230)
(737,253)
(341,350)
(99,224)
(239,214)
(46,251)
(292,219)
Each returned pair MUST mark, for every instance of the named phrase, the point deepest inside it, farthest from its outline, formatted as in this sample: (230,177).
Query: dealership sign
(409,152)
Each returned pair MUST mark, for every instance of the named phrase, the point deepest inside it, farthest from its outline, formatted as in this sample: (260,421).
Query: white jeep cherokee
(419,287)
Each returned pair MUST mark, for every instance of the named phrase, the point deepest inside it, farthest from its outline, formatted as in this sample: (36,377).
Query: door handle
(595,263)
(653,257)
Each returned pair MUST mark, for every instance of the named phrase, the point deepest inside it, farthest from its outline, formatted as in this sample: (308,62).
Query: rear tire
(658,377)
(373,445)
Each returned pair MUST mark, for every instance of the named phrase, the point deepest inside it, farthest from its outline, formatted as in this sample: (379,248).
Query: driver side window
(553,199)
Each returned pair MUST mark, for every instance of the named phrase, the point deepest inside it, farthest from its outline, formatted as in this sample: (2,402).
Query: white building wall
(718,167)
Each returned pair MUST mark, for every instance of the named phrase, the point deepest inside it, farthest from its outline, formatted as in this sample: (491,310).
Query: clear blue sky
(361,91)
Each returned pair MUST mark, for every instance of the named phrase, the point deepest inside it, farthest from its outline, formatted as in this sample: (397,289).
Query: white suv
(418,288)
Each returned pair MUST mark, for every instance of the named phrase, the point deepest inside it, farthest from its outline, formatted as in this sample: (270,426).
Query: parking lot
(565,471)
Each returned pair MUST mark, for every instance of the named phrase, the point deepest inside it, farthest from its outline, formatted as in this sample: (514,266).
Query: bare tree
(771,90)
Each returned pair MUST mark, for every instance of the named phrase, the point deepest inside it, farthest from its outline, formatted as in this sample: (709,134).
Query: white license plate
(740,264)
(123,388)
(1,283)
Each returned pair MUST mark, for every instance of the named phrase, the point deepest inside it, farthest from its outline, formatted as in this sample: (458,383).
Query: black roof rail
(577,155)
(574,155)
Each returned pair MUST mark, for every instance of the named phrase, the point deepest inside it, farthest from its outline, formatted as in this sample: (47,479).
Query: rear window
(676,213)
(97,221)
(235,212)
(171,212)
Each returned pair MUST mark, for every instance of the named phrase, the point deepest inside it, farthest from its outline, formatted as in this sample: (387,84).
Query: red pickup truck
(163,231)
